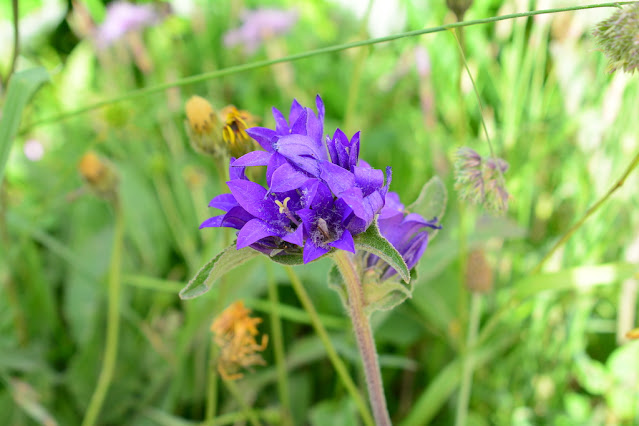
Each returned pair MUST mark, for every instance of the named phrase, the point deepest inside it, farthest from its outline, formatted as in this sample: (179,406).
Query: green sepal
(373,242)
(287,259)
(378,296)
(431,202)
(229,259)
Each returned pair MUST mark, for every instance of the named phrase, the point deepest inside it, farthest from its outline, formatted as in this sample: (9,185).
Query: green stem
(113,322)
(467,362)
(16,39)
(589,213)
(496,317)
(298,56)
(211,388)
(246,410)
(364,336)
(278,347)
(338,364)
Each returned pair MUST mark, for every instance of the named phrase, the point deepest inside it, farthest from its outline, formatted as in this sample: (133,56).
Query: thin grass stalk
(113,322)
(304,55)
(468,367)
(278,348)
(364,337)
(338,364)
(16,39)
(246,409)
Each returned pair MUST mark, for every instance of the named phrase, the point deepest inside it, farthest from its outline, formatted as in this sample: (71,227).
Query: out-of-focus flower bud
(235,331)
(479,275)
(459,7)
(100,175)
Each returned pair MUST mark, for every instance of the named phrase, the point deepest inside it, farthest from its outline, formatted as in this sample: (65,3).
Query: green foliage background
(550,348)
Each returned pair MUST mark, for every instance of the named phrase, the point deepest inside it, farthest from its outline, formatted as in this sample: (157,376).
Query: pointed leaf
(373,242)
(224,262)
(22,86)
(431,202)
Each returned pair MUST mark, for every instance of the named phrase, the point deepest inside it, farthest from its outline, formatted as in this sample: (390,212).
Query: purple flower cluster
(319,193)
(259,25)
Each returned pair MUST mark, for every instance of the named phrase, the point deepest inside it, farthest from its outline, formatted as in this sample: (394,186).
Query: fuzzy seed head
(618,37)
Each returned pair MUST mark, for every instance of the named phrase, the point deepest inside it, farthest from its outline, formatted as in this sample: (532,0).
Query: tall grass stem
(468,366)
(113,322)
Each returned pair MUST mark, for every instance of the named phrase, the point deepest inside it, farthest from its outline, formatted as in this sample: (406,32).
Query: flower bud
(203,126)
(618,37)
(459,7)
(99,174)
(479,275)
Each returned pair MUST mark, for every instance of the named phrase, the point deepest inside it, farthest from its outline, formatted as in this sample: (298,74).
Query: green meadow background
(550,347)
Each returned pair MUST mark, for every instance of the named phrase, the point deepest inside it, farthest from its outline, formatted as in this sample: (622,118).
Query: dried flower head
(234,132)
(201,116)
(235,333)
(480,179)
(479,275)
(618,37)
(99,174)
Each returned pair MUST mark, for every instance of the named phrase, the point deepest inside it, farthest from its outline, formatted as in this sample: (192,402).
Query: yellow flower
(234,132)
(200,115)
(235,333)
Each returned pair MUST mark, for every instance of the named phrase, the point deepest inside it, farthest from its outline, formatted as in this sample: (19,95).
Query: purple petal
(330,145)
(341,142)
(321,111)
(354,151)
(337,178)
(296,110)
(253,231)
(265,137)
(389,178)
(287,178)
(312,251)
(224,202)
(317,195)
(212,222)
(253,158)
(299,126)
(345,242)
(251,196)
(236,172)
(281,126)
(274,163)
(368,179)
(296,237)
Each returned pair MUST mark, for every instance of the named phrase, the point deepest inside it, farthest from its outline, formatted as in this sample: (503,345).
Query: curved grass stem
(113,322)
(337,362)
(304,55)
(364,337)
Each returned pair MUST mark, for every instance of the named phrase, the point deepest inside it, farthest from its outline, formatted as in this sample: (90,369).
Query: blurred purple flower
(259,25)
(408,233)
(122,17)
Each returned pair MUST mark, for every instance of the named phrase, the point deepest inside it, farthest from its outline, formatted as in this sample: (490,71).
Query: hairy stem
(364,337)
(113,322)
(338,364)
(468,364)
(298,56)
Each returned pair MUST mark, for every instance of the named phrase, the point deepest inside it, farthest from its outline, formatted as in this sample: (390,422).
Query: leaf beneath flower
(373,242)
(224,262)
(431,202)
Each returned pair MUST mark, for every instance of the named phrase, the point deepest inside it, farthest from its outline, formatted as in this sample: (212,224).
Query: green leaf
(287,259)
(372,241)
(431,202)
(22,86)
(229,259)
